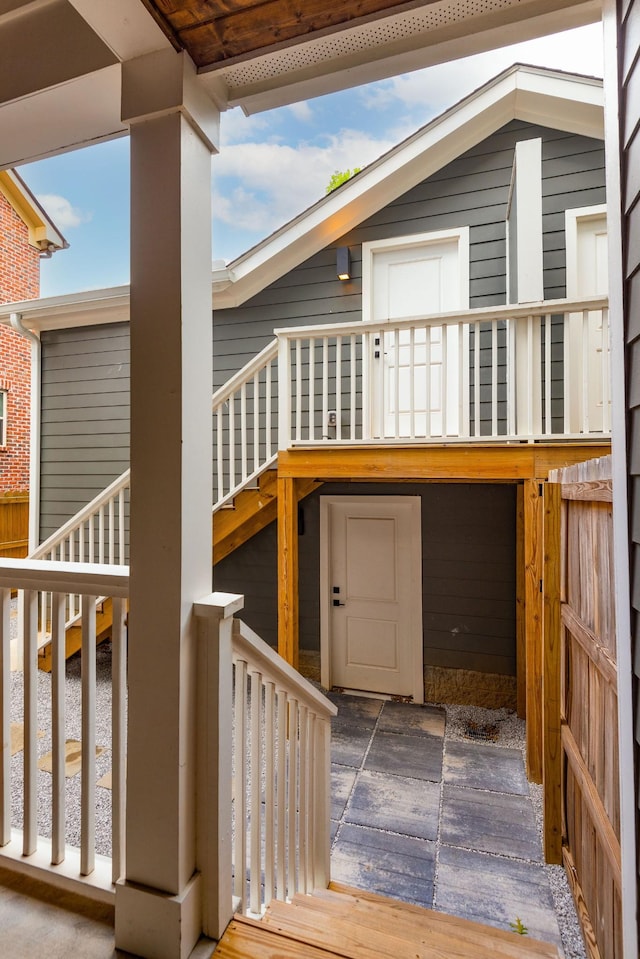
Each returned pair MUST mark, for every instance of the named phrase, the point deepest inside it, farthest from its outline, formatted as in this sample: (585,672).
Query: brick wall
(19,280)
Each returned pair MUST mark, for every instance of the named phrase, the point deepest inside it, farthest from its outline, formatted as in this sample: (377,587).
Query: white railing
(26,835)
(245,411)
(501,373)
(98,533)
(282,772)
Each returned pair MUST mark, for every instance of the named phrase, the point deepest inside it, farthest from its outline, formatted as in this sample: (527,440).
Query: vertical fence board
(590,810)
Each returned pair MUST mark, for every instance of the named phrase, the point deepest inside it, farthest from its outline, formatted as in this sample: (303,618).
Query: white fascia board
(125,26)
(565,102)
(74,309)
(386,179)
(379,61)
(73,114)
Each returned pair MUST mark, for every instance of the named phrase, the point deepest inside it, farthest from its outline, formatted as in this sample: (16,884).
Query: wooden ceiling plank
(275,22)
(182,14)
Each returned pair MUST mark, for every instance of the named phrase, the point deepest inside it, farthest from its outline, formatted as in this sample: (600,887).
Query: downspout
(34,430)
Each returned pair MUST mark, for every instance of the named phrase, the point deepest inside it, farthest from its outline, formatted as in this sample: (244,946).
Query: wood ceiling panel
(213,31)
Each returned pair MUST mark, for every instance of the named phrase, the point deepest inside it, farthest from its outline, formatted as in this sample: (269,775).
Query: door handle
(337,602)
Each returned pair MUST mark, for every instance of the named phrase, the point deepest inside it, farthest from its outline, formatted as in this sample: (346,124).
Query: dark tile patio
(435,821)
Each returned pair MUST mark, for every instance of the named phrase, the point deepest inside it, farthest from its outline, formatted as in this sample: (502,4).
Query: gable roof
(550,98)
(537,95)
(43,233)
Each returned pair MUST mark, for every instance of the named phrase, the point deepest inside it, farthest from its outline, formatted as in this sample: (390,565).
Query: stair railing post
(322,806)
(214,748)
(284,393)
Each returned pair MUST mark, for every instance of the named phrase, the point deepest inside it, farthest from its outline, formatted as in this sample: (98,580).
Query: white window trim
(369,249)
(571,220)
(3,419)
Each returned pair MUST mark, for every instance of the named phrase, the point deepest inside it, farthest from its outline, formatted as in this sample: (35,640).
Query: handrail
(277,670)
(254,365)
(84,514)
(89,579)
(480,315)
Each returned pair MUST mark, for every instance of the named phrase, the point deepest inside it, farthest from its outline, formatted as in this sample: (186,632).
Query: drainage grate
(485,732)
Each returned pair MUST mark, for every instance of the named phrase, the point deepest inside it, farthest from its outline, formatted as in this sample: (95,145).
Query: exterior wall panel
(630,127)
(468,563)
(85,418)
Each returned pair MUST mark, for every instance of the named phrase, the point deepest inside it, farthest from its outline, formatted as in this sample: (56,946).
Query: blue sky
(272,165)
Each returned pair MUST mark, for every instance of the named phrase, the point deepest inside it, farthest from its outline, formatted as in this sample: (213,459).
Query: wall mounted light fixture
(343,263)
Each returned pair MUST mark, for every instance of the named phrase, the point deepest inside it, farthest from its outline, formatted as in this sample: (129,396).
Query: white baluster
(58,791)
(88,749)
(30,640)
(118,738)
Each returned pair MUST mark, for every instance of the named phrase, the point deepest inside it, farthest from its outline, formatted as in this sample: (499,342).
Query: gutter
(34,429)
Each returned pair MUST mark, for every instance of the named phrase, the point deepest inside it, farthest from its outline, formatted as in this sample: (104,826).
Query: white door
(372,594)
(416,376)
(587,362)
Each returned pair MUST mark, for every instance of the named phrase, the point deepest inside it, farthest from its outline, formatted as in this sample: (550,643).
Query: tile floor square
(402,755)
(496,890)
(349,745)
(398,866)
(485,767)
(490,822)
(408,806)
(408,719)
(342,780)
(355,710)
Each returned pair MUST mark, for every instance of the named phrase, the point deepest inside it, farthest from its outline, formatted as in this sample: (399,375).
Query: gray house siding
(85,371)
(629,13)
(85,418)
(468,573)
(471,191)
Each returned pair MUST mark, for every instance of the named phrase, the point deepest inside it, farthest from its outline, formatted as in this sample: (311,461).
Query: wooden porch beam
(552,646)
(288,604)
(533,626)
(468,462)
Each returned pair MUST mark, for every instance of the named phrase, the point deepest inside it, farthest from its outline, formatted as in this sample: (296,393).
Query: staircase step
(251,939)
(351,924)
(252,511)
(409,921)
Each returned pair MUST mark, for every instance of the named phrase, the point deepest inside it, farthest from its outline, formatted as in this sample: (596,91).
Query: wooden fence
(580,711)
(14,525)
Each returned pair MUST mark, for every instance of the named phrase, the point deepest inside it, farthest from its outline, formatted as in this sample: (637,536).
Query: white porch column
(174,129)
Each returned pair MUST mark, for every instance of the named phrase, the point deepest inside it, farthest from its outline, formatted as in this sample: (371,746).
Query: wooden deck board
(346,923)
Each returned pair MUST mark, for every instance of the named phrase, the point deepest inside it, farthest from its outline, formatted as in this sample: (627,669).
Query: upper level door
(587,359)
(418,374)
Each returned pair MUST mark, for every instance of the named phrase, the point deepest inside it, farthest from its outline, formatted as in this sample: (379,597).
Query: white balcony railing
(282,772)
(38,811)
(526,373)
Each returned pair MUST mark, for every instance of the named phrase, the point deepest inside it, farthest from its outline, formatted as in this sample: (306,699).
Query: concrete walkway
(424,818)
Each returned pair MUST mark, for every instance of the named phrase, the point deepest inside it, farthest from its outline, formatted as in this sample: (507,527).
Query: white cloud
(301,111)
(63,214)
(279,181)
(435,88)
(235,127)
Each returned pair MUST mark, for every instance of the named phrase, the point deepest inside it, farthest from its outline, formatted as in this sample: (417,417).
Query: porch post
(533,625)
(288,629)
(174,128)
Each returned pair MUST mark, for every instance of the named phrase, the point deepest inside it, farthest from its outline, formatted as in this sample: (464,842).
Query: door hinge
(540,585)
(540,489)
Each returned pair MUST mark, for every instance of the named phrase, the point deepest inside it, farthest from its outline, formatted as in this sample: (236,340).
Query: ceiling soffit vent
(396,30)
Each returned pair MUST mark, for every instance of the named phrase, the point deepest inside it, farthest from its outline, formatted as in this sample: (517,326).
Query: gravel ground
(73,731)
(511,734)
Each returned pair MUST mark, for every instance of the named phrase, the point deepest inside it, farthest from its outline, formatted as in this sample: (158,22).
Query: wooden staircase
(252,510)
(349,923)
(73,637)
